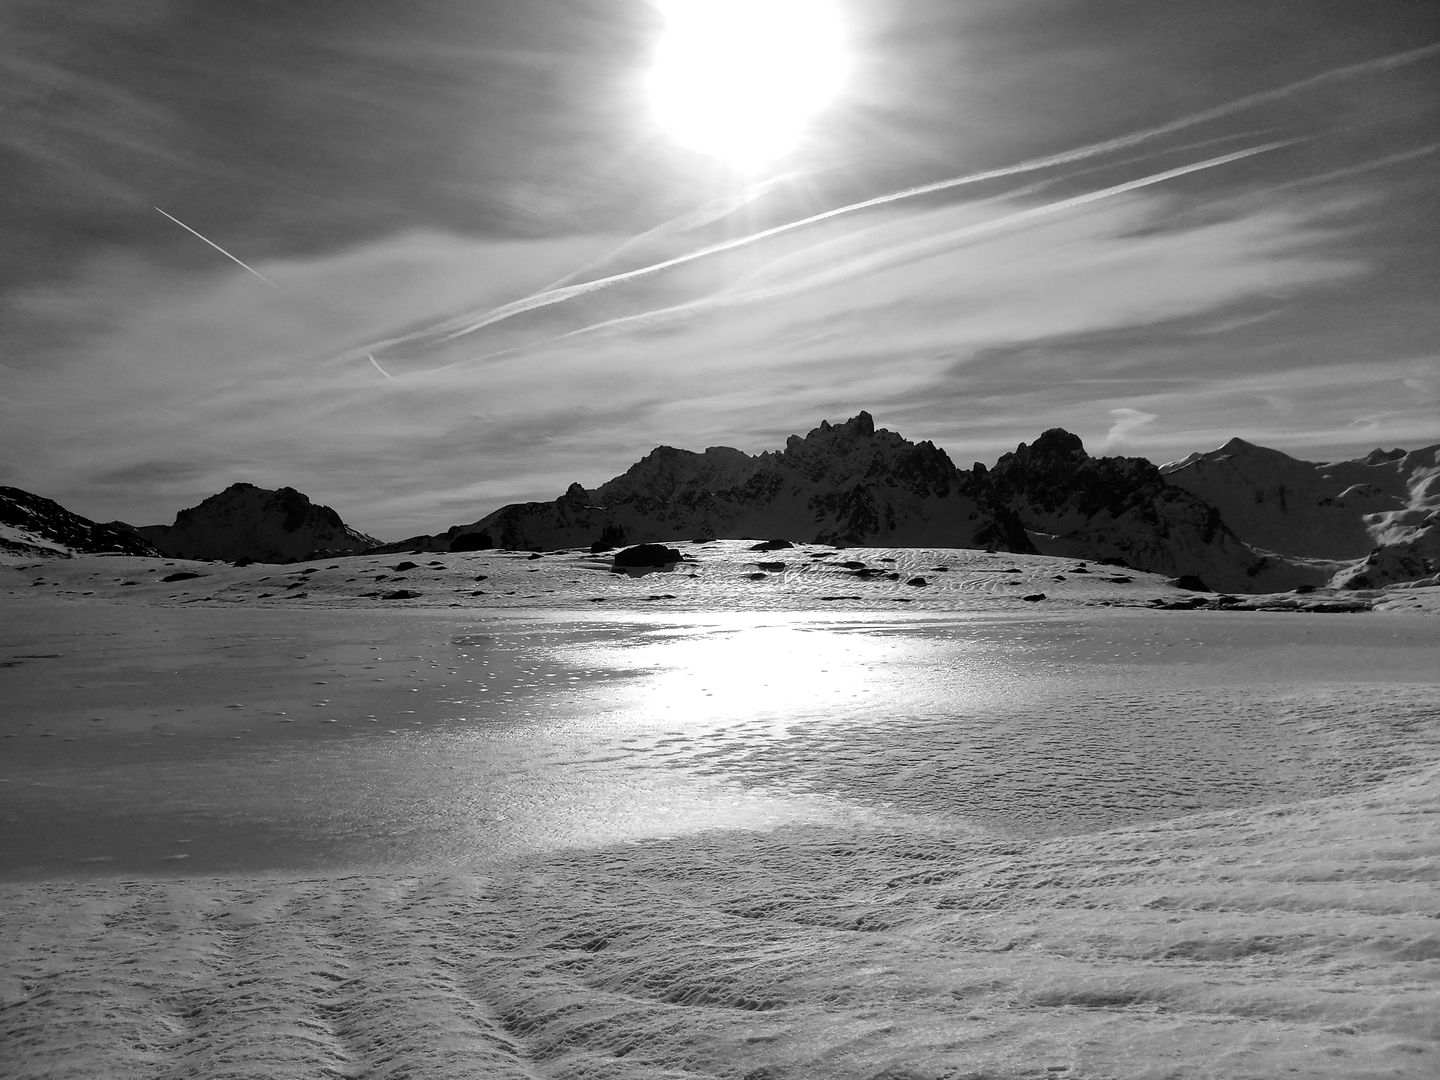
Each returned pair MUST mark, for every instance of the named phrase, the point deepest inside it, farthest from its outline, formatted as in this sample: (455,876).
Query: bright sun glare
(741,79)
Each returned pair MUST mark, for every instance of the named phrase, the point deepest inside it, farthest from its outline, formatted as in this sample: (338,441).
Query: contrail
(895,255)
(711,212)
(458,328)
(379,368)
(218,248)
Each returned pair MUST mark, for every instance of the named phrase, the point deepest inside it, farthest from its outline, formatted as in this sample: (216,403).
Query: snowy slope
(245,521)
(1382,510)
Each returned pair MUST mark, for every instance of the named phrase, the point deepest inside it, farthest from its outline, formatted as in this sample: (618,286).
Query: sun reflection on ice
(747,668)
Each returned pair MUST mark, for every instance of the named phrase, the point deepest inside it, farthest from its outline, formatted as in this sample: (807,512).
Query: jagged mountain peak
(847,482)
(1055,443)
(861,425)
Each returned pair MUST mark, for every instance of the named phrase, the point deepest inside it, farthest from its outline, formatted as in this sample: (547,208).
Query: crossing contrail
(465,325)
(218,248)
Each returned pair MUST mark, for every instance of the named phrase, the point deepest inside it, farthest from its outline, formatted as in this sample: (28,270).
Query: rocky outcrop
(249,522)
(35,527)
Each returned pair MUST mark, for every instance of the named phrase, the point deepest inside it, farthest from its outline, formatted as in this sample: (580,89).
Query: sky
(420,260)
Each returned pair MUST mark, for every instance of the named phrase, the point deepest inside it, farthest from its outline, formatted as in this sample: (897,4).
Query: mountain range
(1242,518)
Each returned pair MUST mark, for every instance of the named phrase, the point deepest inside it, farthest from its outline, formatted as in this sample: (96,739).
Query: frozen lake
(207,741)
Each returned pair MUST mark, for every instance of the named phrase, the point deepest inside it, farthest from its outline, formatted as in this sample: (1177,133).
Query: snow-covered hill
(848,483)
(1375,519)
(32,526)
(248,522)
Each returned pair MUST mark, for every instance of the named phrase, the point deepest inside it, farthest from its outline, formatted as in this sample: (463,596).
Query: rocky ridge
(845,484)
(1239,519)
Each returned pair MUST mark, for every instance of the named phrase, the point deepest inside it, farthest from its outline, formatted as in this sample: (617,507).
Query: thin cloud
(1127,421)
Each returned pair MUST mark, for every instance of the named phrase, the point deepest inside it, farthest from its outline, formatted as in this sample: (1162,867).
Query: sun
(742,79)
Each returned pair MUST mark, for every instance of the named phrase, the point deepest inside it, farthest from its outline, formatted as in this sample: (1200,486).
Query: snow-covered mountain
(32,526)
(1373,520)
(248,522)
(1122,508)
(848,483)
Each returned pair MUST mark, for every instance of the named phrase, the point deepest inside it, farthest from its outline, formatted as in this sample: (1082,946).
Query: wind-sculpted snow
(1292,940)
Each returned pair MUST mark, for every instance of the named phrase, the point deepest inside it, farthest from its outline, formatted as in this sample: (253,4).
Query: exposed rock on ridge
(248,522)
(34,526)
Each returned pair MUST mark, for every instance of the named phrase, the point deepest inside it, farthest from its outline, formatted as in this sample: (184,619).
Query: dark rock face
(245,521)
(476,541)
(1119,510)
(42,527)
(1190,583)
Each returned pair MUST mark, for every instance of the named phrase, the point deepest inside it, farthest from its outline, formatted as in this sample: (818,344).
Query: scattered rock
(406,565)
(1034,597)
(1188,603)
(773,567)
(181,575)
(401,594)
(918,582)
(647,555)
(756,577)
(772,545)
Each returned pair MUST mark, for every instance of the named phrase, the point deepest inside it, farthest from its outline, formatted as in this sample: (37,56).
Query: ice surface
(1086,842)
